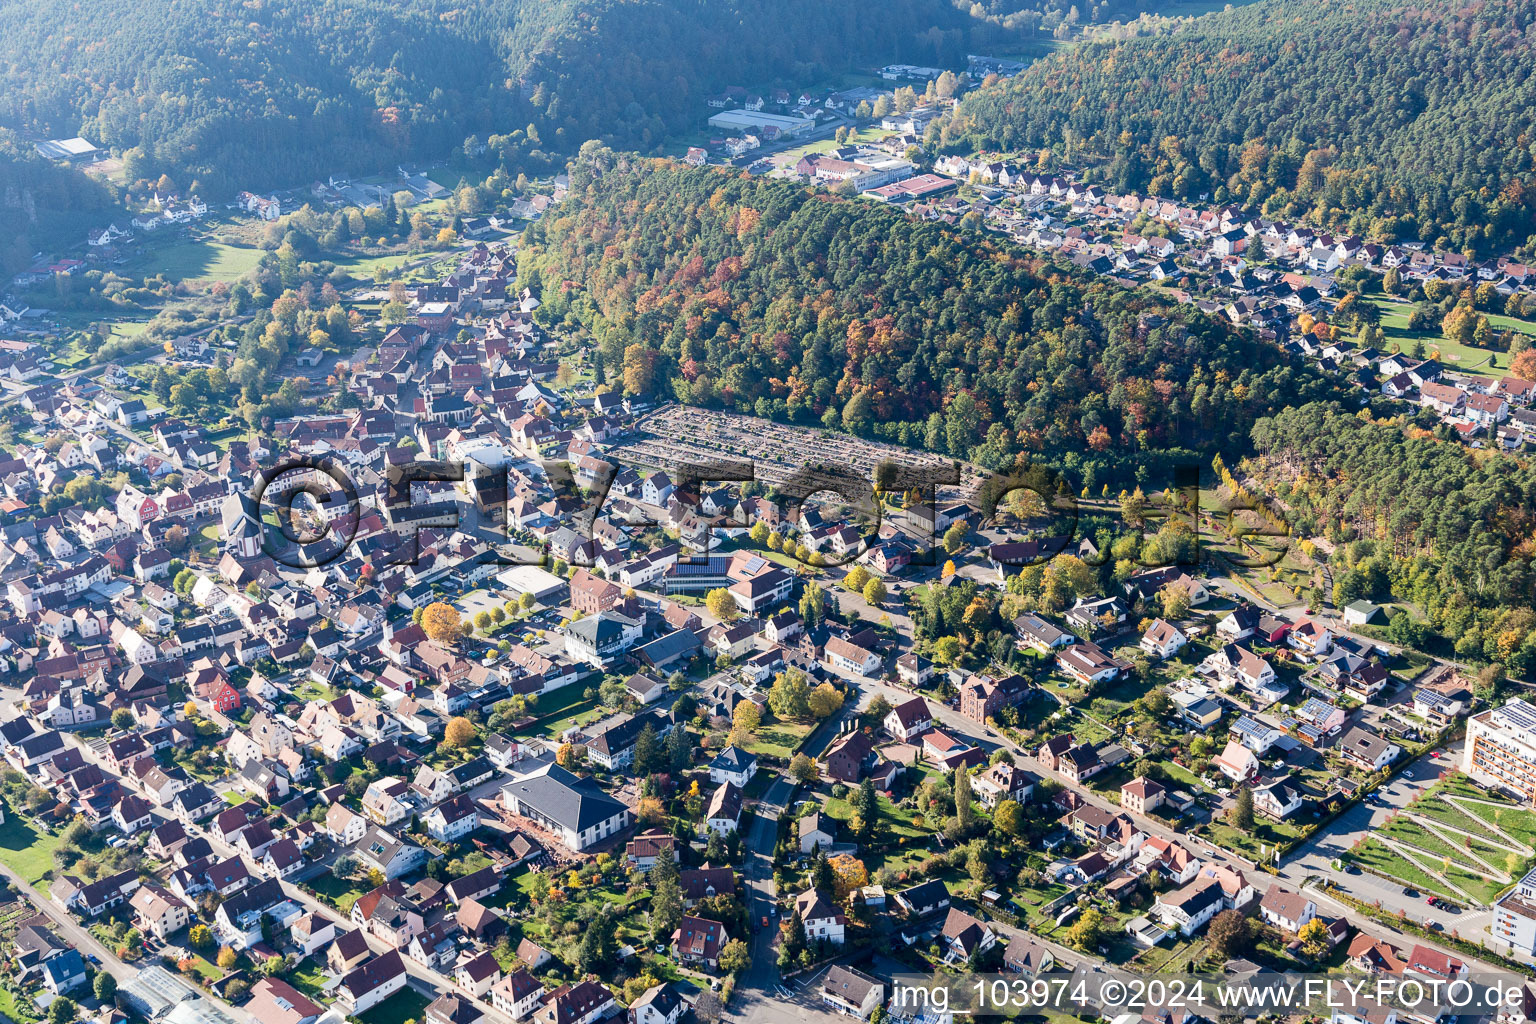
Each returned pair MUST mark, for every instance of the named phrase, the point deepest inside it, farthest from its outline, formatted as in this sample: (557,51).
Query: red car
(1432,900)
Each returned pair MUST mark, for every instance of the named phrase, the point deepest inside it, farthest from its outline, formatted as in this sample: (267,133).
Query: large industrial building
(756,121)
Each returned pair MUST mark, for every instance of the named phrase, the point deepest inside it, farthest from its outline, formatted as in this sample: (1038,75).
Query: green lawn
(898,823)
(1394,323)
(365,268)
(873,133)
(583,712)
(339,891)
(779,739)
(1266,835)
(16,1008)
(407,1004)
(310,690)
(560,702)
(205,967)
(1517,822)
(309,979)
(201,260)
(24,850)
(1396,867)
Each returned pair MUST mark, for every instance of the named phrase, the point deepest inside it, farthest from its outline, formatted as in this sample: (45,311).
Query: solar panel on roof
(1520,714)
(755,564)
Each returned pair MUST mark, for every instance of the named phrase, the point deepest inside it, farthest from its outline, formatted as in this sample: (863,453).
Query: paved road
(79,937)
(424,980)
(755,998)
(1311,863)
(1314,859)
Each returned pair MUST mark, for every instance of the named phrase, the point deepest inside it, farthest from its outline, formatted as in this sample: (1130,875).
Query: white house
(909,720)
(452,820)
(368,985)
(852,992)
(1285,909)
(733,765)
(820,916)
(1163,639)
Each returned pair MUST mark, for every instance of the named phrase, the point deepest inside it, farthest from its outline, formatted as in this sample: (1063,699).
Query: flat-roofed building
(757,120)
(1501,748)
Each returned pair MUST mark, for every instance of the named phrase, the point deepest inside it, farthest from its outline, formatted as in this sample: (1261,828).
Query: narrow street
(422,979)
(1310,863)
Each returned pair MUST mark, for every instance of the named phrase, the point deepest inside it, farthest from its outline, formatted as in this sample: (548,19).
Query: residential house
(852,992)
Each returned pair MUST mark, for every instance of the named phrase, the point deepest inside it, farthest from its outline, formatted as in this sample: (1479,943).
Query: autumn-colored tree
(1524,365)
(825,700)
(720,604)
(227,959)
(746,717)
(459,732)
(639,369)
(947,650)
(848,875)
(440,622)
(874,592)
(1008,818)
(803,770)
(567,757)
(1314,938)
(856,578)
(1175,601)
(650,810)
(949,568)
(1087,931)
(735,957)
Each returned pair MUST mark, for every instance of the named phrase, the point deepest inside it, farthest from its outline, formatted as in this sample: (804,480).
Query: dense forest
(767,297)
(279,92)
(1416,518)
(34,191)
(1390,119)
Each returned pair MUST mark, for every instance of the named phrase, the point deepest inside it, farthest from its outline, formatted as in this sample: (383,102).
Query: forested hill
(1423,109)
(276,92)
(1419,518)
(767,297)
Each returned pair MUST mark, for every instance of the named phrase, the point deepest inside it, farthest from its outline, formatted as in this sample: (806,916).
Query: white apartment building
(1501,748)
(1514,916)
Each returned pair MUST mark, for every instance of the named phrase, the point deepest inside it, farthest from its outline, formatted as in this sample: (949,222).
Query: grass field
(17,1008)
(898,824)
(1390,863)
(339,891)
(201,260)
(407,1004)
(1455,864)
(309,979)
(779,739)
(570,706)
(1394,323)
(366,268)
(310,690)
(24,850)
(871,134)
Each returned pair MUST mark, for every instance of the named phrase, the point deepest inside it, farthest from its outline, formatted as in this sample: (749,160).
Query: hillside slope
(275,92)
(1422,113)
(770,298)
